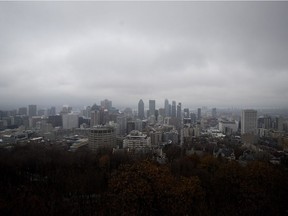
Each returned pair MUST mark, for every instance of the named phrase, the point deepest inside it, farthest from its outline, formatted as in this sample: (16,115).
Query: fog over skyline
(219,54)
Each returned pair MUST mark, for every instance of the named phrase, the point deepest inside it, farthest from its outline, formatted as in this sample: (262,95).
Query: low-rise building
(136,139)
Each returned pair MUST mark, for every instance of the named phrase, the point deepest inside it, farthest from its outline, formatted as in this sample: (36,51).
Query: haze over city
(200,53)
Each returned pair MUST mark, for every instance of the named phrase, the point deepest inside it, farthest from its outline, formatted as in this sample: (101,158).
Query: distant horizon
(134,106)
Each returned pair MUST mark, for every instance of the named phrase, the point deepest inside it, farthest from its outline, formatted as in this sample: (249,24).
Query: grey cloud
(200,53)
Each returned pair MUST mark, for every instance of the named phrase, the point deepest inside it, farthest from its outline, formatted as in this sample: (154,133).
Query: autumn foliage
(44,180)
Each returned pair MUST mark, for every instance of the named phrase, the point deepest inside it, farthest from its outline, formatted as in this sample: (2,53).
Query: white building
(249,121)
(70,120)
(136,139)
(228,126)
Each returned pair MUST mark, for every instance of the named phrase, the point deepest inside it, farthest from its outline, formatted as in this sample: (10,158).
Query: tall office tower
(186,113)
(13,112)
(199,114)
(166,107)
(22,111)
(87,112)
(66,109)
(214,113)
(193,117)
(70,121)
(141,114)
(173,109)
(106,104)
(179,111)
(152,107)
(156,114)
(102,136)
(55,120)
(51,111)
(248,121)
(267,122)
(41,112)
(170,110)
(161,112)
(32,110)
(95,118)
(279,123)
(122,124)
(104,116)
(138,124)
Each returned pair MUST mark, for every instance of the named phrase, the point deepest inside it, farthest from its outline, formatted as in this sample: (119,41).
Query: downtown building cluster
(149,127)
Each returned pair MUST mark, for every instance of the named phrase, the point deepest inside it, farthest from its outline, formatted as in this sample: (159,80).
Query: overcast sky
(220,54)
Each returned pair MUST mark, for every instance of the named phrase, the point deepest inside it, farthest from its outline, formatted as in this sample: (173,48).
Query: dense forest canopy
(39,180)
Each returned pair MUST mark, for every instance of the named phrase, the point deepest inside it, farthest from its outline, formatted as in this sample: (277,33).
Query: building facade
(70,121)
(152,107)
(136,140)
(141,114)
(249,121)
(102,136)
(32,110)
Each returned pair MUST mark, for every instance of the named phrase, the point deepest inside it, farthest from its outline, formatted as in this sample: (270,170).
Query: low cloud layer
(200,53)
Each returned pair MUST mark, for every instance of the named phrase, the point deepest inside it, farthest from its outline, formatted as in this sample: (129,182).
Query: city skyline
(214,54)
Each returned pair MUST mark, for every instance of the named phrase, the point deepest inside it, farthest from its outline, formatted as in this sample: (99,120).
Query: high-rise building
(55,120)
(248,121)
(41,112)
(22,111)
(161,112)
(32,110)
(51,111)
(214,113)
(173,109)
(179,111)
(141,114)
(130,126)
(95,118)
(166,107)
(102,136)
(186,113)
(122,125)
(199,114)
(70,121)
(152,107)
(87,112)
(279,123)
(106,104)
(193,117)
(267,122)
(66,109)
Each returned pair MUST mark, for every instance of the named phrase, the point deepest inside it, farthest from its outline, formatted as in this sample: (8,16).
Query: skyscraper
(152,107)
(95,118)
(141,114)
(122,124)
(186,113)
(214,113)
(51,111)
(166,107)
(179,111)
(32,110)
(248,121)
(106,104)
(22,111)
(199,114)
(70,121)
(279,123)
(173,111)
